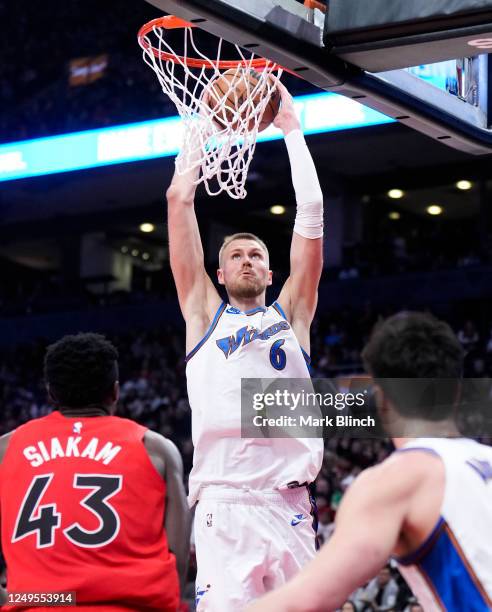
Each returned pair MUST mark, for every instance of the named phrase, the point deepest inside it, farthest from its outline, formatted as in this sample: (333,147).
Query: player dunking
(247,537)
(91,503)
(429,504)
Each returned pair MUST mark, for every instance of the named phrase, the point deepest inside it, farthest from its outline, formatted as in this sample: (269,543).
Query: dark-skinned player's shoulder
(163,453)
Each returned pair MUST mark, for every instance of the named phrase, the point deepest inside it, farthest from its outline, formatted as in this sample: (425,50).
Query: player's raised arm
(197,295)
(300,293)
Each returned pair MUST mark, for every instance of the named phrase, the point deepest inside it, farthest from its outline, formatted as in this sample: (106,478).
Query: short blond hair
(241,236)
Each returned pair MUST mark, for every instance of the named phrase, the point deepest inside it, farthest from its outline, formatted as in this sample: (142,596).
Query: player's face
(244,271)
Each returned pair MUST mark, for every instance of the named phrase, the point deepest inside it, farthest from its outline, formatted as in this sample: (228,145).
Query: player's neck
(89,411)
(413,429)
(245,304)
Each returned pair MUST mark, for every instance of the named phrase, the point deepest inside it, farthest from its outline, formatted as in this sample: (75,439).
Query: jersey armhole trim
(253,311)
(420,552)
(306,357)
(280,311)
(207,335)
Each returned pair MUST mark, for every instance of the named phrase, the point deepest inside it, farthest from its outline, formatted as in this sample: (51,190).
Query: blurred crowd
(412,244)
(412,251)
(36,97)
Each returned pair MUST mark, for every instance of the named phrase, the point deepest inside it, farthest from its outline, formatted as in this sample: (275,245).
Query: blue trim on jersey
(424,548)
(279,309)
(213,325)
(306,357)
(451,576)
(482,468)
(417,448)
(255,310)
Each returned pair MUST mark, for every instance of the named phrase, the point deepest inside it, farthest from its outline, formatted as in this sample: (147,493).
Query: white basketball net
(220,140)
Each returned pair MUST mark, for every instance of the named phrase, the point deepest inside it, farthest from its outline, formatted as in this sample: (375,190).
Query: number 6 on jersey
(278,358)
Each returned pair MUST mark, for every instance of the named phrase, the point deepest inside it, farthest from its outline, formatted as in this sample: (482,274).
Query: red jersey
(82,509)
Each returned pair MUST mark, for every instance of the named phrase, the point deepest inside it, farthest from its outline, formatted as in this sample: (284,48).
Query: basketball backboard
(367,60)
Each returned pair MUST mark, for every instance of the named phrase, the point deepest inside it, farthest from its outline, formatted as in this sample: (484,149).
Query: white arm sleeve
(309,198)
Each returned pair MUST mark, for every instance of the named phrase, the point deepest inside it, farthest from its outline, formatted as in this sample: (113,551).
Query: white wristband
(309,198)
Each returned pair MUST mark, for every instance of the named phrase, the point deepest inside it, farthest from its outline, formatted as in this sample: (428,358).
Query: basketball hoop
(222,149)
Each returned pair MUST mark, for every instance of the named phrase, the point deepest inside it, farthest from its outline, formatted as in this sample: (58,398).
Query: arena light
(394,215)
(277,209)
(464,185)
(481,43)
(395,194)
(135,252)
(124,249)
(147,228)
(434,210)
(323,112)
(145,256)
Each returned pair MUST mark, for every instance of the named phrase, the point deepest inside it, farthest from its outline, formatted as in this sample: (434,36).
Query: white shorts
(249,542)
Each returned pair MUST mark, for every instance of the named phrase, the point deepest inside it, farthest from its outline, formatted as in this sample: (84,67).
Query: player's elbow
(171,193)
(176,196)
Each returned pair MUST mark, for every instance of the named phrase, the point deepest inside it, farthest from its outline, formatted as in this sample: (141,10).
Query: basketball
(229,92)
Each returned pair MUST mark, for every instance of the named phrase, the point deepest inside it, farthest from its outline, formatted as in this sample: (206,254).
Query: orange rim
(171,22)
(315,4)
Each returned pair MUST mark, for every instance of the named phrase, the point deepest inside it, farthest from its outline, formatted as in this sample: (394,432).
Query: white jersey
(228,352)
(452,570)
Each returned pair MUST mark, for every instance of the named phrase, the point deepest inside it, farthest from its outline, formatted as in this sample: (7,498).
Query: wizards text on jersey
(248,334)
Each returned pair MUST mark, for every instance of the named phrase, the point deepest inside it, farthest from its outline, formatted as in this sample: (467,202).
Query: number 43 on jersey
(44,520)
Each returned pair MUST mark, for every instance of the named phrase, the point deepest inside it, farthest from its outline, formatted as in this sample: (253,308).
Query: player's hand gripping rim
(286,118)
